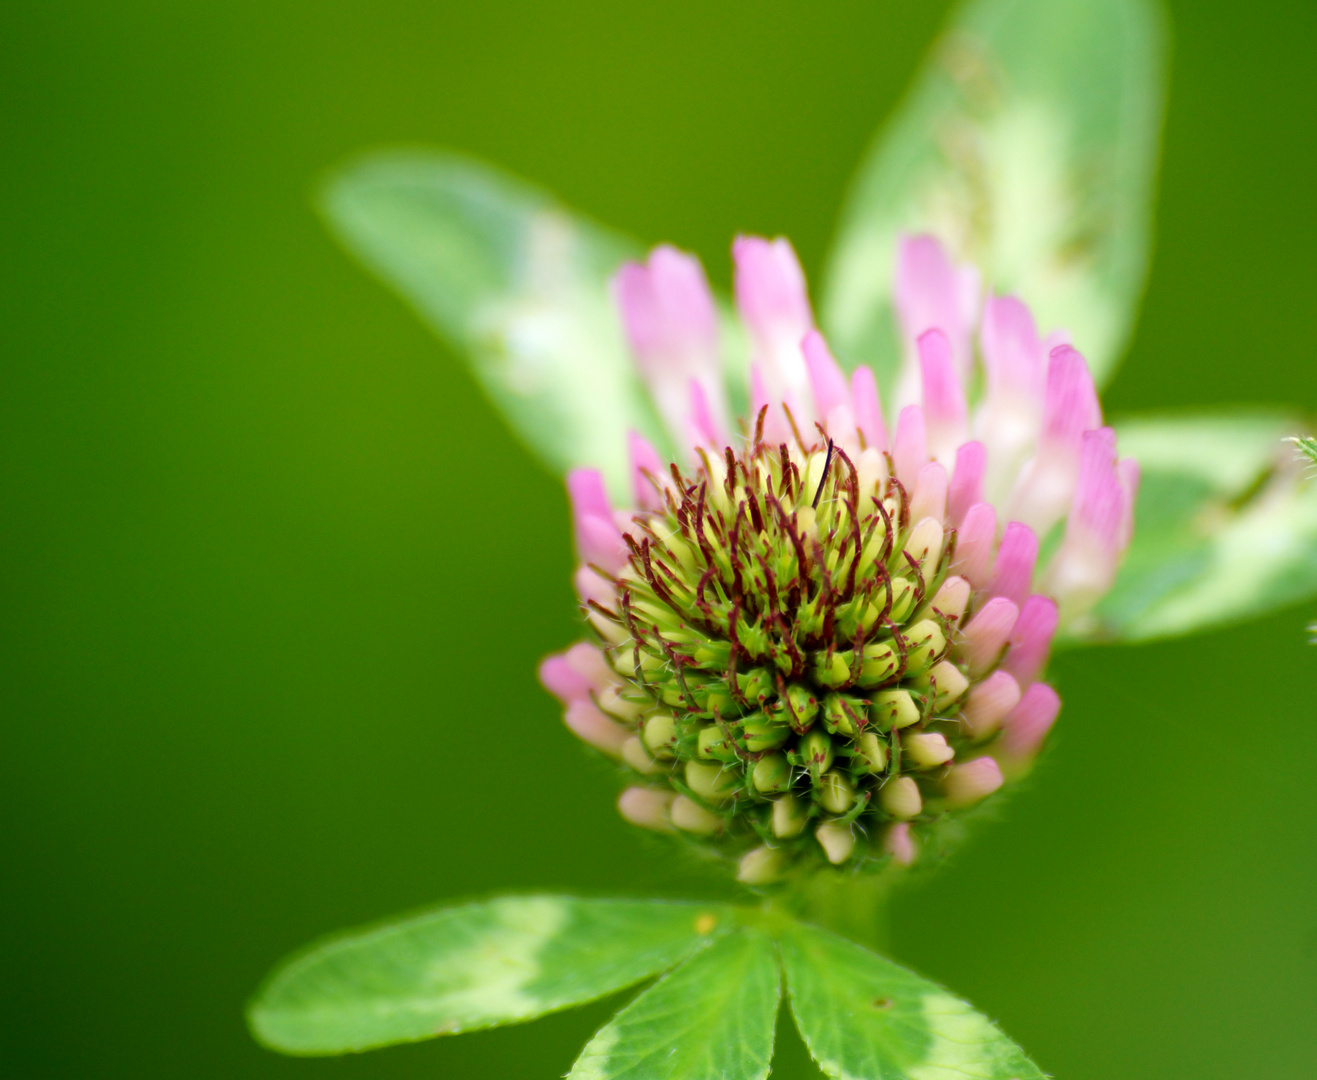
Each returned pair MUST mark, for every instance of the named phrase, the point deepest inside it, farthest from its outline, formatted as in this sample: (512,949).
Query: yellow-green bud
(789,817)
(879,664)
(925,546)
(754,686)
(714,696)
(635,755)
(832,670)
(950,681)
(903,598)
(760,866)
(646,807)
(710,781)
(712,743)
(870,753)
(840,713)
(806,518)
(661,735)
(761,734)
(690,816)
(837,841)
(771,774)
(816,752)
(925,641)
(900,797)
(798,709)
(894,709)
(836,793)
(618,703)
(926,750)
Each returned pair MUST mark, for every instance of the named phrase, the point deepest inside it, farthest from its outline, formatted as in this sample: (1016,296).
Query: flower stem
(852,905)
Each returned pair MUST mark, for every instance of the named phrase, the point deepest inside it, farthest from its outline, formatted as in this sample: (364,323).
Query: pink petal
(1070,405)
(770,285)
(975,540)
(599,543)
(1031,639)
(576,673)
(562,680)
(776,429)
(966,481)
(989,702)
(642,319)
(598,539)
(585,489)
(945,411)
(592,726)
(588,661)
(702,428)
(840,425)
(671,325)
(1085,564)
(929,499)
(1013,358)
(952,598)
(825,375)
(975,780)
(645,460)
(1012,574)
(868,408)
(910,447)
(1029,722)
(666,306)
(931,292)
(646,807)
(774,305)
(1047,484)
(1010,413)
(986,633)
(590,586)
(899,843)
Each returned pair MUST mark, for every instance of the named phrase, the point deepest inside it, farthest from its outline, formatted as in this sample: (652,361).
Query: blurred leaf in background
(516,283)
(1029,143)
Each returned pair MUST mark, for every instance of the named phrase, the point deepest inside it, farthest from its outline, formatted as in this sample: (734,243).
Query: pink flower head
(832,629)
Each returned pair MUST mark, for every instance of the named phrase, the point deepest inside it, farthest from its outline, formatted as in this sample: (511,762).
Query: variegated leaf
(475,966)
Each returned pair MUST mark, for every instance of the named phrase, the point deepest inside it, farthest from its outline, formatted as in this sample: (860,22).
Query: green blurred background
(276,579)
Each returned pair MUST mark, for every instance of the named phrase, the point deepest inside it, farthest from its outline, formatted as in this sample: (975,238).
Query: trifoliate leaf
(475,966)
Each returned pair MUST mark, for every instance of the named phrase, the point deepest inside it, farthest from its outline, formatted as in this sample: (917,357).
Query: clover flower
(821,632)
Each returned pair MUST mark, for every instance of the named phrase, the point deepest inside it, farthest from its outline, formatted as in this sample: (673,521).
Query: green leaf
(1029,144)
(1225,526)
(712,1018)
(516,285)
(865,1018)
(476,966)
